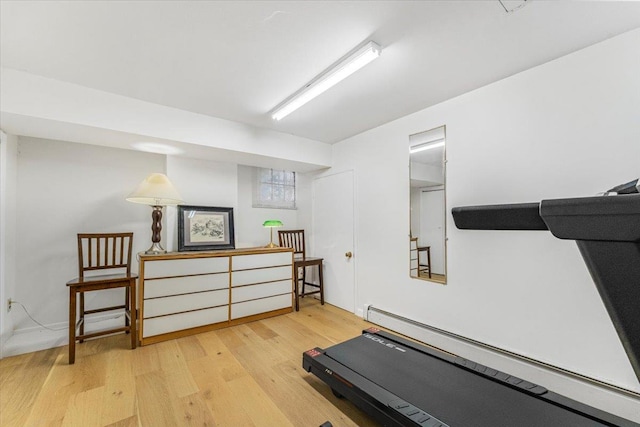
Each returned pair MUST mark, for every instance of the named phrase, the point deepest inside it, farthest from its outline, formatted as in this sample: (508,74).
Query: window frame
(276,199)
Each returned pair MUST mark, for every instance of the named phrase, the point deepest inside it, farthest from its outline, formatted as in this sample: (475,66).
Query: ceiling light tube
(156,147)
(334,74)
(427,146)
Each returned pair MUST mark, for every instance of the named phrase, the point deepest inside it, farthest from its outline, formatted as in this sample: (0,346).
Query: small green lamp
(272,223)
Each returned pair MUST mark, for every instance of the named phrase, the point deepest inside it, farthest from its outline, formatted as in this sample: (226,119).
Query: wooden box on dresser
(184,293)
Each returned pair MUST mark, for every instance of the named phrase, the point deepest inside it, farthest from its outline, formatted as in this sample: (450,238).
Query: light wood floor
(247,375)
(435,277)
(439,278)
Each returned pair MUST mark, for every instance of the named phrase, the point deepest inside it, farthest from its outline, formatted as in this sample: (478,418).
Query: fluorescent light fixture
(427,146)
(156,147)
(346,66)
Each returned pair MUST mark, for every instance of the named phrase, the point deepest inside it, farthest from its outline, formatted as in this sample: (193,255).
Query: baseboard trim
(4,337)
(38,338)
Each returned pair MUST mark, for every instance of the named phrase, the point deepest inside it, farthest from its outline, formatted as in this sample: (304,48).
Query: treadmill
(402,383)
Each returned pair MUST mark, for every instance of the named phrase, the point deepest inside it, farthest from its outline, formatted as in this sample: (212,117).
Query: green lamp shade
(272,223)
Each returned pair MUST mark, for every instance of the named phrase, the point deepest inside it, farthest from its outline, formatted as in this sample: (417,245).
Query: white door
(432,227)
(332,227)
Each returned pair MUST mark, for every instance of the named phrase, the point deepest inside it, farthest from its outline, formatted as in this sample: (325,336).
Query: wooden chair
(295,239)
(110,252)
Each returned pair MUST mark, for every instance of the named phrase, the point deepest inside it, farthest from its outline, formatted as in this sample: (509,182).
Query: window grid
(275,189)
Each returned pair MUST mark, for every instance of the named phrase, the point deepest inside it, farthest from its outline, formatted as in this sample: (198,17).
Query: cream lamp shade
(155,190)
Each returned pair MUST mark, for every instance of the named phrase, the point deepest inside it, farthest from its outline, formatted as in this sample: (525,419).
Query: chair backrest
(102,251)
(292,239)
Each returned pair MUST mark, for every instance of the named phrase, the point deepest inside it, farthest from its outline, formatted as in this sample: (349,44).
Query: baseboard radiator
(580,387)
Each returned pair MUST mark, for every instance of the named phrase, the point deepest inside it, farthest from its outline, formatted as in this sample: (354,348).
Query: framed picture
(205,228)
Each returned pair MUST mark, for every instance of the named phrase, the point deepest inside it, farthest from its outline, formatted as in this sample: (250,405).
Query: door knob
(348,254)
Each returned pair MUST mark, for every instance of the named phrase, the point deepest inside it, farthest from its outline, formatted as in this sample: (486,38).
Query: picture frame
(205,228)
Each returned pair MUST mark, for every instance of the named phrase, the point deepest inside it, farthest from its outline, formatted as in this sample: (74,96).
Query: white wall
(8,183)
(564,129)
(304,202)
(206,183)
(430,174)
(200,183)
(63,188)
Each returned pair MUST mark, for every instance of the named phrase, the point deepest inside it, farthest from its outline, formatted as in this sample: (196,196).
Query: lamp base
(155,249)
(271,244)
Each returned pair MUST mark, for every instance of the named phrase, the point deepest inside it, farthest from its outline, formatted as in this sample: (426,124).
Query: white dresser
(184,293)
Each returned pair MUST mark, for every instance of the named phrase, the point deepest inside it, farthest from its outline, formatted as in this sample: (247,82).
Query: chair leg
(321,284)
(131,302)
(126,307)
(72,326)
(81,315)
(304,279)
(296,293)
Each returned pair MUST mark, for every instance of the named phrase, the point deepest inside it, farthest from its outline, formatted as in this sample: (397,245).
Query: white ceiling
(238,59)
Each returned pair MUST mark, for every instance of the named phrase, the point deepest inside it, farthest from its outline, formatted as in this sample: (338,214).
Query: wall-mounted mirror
(428,234)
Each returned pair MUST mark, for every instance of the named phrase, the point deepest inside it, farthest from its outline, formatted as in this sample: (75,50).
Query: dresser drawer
(272,274)
(185,285)
(262,290)
(177,322)
(176,304)
(183,267)
(244,262)
(258,306)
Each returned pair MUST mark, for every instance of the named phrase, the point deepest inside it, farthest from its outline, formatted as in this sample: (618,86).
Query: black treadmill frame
(374,399)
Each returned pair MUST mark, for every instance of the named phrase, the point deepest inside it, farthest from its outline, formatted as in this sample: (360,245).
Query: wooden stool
(424,268)
(105,251)
(295,239)
(303,263)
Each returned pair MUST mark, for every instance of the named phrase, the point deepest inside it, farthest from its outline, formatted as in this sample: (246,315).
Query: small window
(274,189)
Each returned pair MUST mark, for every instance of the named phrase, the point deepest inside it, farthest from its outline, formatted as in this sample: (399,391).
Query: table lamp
(157,191)
(272,223)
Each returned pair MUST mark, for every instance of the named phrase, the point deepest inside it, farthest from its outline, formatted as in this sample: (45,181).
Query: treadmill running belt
(456,396)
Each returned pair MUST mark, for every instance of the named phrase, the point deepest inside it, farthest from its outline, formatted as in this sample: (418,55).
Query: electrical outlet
(9,303)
